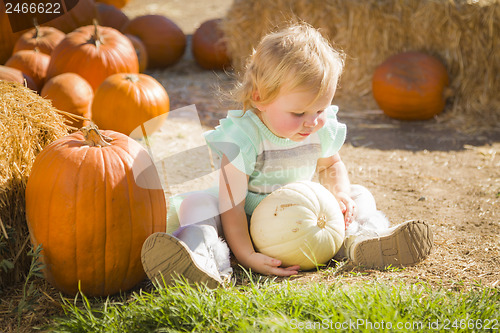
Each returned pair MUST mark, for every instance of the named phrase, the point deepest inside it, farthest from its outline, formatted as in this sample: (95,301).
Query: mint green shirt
(268,160)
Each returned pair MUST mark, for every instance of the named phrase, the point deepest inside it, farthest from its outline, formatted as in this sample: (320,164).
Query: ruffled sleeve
(236,136)
(332,135)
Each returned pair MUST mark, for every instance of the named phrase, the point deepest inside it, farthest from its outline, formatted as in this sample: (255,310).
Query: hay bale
(27,124)
(463,34)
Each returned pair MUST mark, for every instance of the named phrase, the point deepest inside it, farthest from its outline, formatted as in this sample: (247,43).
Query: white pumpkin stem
(37,28)
(132,77)
(94,138)
(96,38)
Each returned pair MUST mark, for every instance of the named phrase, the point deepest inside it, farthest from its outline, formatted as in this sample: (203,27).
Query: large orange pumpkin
(71,93)
(137,99)
(45,39)
(208,46)
(91,202)
(165,42)
(411,86)
(31,62)
(94,52)
(15,75)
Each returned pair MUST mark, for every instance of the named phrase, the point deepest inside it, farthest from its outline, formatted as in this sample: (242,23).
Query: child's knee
(359,191)
(198,207)
(363,199)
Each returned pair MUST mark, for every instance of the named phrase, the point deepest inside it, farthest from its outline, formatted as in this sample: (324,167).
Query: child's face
(291,115)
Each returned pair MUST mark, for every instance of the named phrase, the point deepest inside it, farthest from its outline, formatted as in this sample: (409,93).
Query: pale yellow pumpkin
(300,224)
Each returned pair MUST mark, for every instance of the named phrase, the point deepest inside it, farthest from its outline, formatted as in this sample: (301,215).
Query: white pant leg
(201,229)
(368,219)
(368,223)
(200,207)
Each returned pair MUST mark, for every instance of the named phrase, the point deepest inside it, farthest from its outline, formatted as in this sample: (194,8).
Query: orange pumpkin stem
(94,138)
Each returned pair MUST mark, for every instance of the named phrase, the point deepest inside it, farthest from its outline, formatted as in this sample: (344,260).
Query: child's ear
(256,99)
(255,96)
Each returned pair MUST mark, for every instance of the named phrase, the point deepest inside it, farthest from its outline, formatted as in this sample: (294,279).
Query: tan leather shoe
(406,244)
(166,258)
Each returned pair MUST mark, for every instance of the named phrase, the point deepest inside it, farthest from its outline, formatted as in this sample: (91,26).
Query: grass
(268,305)
(29,292)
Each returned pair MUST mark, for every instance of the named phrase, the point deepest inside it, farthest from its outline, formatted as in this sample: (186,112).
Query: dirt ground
(416,170)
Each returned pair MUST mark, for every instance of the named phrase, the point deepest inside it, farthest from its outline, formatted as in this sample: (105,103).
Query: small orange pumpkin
(117,3)
(31,62)
(411,86)
(110,16)
(165,42)
(138,99)
(92,199)
(43,38)
(15,75)
(208,46)
(71,93)
(94,52)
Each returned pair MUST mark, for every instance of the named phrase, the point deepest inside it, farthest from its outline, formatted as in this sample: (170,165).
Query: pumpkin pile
(92,213)
(76,70)
(82,14)
(85,71)
(63,60)
(300,224)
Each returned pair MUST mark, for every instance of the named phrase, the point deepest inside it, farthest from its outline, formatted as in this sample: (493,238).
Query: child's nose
(311,122)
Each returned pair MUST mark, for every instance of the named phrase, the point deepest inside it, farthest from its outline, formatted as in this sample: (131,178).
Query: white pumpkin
(300,224)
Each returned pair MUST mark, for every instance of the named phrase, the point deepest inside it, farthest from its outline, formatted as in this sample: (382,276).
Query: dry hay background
(27,124)
(465,35)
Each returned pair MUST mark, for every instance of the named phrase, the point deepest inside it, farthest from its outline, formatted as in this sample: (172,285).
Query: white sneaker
(406,244)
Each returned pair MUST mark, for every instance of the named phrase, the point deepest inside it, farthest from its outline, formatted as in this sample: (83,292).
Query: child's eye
(303,113)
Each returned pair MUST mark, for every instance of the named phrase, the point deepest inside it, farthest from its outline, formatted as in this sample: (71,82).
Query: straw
(27,124)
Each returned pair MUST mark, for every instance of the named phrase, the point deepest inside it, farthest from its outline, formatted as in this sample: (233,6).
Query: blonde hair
(297,56)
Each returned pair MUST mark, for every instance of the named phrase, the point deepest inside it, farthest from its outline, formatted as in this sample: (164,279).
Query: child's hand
(347,206)
(263,264)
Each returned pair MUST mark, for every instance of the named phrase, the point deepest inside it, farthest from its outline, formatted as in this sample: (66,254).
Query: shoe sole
(166,258)
(410,243)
